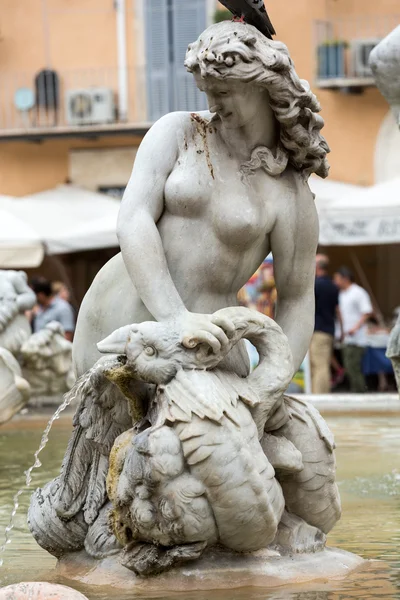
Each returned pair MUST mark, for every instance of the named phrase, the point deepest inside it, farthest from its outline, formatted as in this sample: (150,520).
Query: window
(170,26)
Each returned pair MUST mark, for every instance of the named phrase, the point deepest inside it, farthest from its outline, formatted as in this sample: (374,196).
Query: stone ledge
(353,403)
(218,570)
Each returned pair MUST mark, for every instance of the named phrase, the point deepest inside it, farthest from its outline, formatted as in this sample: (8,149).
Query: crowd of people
(53,304)
(348,347)
(348,344)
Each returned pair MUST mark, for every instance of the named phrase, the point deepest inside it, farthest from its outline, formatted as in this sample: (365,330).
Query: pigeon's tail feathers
(266,26)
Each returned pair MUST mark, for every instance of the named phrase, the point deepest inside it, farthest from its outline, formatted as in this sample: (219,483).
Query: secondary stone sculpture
(15,391)
(177,452)
(385,64)
(393,351)
(47,361)
(36,367)
(16,297)
(39,590)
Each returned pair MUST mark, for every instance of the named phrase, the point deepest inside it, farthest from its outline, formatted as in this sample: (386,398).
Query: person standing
(52,308)
(326,310)
(356,308)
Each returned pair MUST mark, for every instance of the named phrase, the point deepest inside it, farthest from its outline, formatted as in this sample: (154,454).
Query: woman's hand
(211,335)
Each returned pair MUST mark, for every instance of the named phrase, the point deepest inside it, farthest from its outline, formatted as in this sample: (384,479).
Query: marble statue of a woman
(211,194)
(175,445)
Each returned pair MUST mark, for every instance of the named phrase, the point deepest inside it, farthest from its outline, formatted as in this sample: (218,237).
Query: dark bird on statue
(252,12)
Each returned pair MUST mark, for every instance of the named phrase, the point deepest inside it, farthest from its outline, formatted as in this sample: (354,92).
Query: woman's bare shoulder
(180,120)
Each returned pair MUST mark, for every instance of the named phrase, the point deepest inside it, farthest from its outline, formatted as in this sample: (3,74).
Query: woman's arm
(140,241)
(294,241)
(141,208)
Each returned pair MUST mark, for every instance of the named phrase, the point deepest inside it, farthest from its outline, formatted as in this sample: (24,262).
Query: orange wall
(82,34)
(26,167)
(352,122)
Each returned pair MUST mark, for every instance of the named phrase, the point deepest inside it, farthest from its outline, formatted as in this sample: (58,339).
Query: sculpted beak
(116,342)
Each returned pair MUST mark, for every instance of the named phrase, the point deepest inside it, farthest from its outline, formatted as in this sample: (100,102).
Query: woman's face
(236,103)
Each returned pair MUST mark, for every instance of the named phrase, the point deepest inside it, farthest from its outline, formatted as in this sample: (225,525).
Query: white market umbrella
(370,216)
(20,245)
(70,219)
(328,191)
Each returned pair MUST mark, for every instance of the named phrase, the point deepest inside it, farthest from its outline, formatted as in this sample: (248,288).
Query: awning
(329,191)
(20,245)
(368,216)
(70,219)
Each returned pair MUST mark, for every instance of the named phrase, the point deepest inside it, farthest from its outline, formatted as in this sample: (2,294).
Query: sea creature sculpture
(197,468)
(47,361)
(16,297)
(15,390)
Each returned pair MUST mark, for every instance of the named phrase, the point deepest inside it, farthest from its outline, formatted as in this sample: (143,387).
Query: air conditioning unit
(89,106)
(360,51)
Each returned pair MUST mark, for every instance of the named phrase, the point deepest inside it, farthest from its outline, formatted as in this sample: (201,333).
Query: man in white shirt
(355,307)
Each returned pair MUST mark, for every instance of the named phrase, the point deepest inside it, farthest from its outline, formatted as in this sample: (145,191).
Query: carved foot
(295,536)
(148,559)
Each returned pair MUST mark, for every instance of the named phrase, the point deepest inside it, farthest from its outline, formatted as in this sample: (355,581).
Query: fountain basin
(218,569)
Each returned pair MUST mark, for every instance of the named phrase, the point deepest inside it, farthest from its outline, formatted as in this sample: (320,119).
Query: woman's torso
(215,232)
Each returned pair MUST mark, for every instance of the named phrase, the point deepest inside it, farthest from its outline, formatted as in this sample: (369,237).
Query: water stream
(368,456)
(28,473)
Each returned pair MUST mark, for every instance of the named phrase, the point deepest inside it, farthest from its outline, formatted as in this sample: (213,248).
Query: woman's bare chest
(238,209)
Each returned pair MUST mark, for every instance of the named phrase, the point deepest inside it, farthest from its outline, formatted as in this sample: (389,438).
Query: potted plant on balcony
(331,59)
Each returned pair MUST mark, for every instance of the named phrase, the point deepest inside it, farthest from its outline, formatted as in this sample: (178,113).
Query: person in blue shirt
(326,312)
(52,308)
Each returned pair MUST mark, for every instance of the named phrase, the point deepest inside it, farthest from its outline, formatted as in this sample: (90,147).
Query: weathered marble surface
(39,590)
(16,297)
(14,389)
(212,458)
(36,367)
(385,64)
(218,569)
(47,361)
(393,350)
(177,450)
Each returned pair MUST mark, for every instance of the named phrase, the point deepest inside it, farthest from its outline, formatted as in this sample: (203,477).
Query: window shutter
(189,19)
(158,69)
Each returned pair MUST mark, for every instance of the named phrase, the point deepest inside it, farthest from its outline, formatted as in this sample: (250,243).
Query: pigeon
(252,12)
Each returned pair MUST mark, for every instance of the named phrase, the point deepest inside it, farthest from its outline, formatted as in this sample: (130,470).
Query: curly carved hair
(237,51)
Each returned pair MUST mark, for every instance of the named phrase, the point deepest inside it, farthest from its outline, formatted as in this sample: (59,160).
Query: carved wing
(102,415)
(311,493)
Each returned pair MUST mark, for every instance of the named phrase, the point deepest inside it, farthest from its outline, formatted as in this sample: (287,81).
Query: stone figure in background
(16,297)
(173,406)
(393,350)
(385,64)
(15,391)
(47,361)
(30,365)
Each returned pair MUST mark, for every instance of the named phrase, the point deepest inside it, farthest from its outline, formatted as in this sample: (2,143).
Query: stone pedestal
(218,569)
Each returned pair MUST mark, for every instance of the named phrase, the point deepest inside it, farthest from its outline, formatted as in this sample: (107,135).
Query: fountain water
(68,399)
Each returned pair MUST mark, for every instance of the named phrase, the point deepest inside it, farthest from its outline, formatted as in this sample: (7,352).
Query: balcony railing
(343,47)
(79,100)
